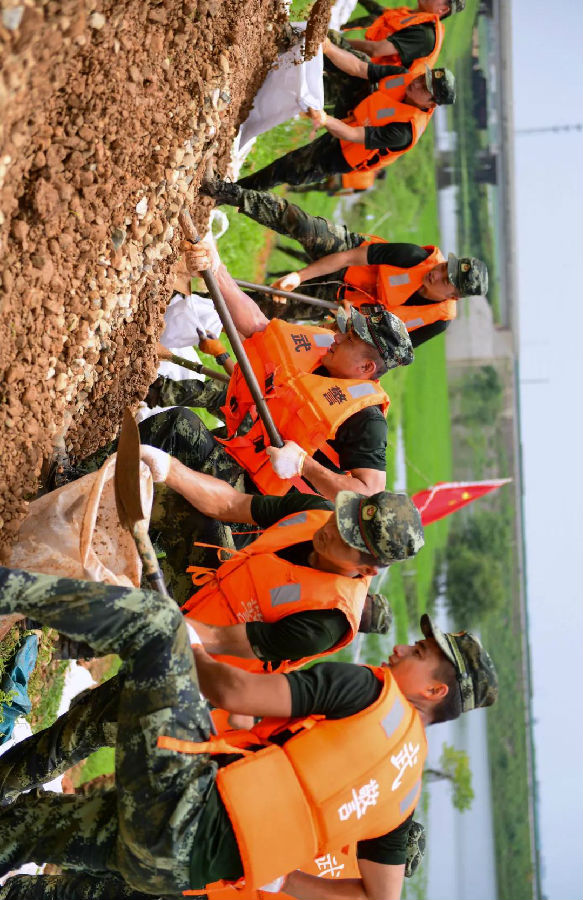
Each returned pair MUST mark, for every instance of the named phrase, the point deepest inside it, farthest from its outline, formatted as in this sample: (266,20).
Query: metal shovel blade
(128,497)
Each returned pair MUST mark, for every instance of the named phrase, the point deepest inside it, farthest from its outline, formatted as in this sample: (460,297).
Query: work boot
(222,191)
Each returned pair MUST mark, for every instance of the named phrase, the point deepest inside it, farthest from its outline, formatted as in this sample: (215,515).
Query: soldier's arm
(211,496)
(247,316)
(334,261)
(224,640)
(345,60)
(374,48)
(378,882)
(342,131)
(237,691)
(328,483)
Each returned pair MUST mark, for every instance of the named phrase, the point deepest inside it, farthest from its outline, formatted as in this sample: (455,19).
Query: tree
(455,767)
(481,397)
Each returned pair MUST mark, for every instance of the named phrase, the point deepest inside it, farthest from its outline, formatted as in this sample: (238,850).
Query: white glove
(288,282)
(192,634)
(287,461)
(275,886)
(158,461)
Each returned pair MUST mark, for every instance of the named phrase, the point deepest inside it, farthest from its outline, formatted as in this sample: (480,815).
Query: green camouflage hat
(468,275)
(384,331)
(415,848)
(386,525)
(456,6)
(475,670)
(381,614)
(441,85)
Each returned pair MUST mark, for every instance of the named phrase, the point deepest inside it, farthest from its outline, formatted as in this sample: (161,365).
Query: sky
(548,91)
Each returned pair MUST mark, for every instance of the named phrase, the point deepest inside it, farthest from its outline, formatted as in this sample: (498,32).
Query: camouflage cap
(468,275)
(475,670)
(456,6)
(384,331)
(381,614)
(386,525)
(441,85)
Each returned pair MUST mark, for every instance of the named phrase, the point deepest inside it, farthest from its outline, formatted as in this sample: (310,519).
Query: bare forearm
(238,691)
(209,495)
(246,315)
(374,48)
(224,640)
(334,261)
(310,887)
(344,132)
(347,61)
(328,483)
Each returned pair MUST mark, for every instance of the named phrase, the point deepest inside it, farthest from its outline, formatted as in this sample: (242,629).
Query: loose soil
(111,111)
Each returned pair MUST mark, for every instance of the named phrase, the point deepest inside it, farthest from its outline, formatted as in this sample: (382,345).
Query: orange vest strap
(215,744)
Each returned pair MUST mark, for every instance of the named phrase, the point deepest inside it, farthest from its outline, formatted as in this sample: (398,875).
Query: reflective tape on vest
(285,593)
(393,718)
(361,390)
(298,519)
(396,280)
(323,340)
(409,798)
(394,81)
(414,323)
(407,19)
(386,113)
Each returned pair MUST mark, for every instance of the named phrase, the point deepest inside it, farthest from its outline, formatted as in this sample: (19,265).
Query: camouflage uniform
(159,795)
(71,886)
(342,92)
(175,524)
(210,395)
(318,236)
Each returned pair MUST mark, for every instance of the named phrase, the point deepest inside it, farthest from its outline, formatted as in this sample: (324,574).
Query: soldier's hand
(158,461)
(199,257)
(318,117)
(288,282)
(212,346)
(287,461)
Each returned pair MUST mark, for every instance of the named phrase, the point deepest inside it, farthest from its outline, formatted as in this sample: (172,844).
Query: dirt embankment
(110,111)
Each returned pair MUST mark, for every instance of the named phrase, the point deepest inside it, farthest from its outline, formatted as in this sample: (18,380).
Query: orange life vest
(320,791)
(382,107)
(306,408)
(357,181)
(393,20)
(256,585)
(391,286)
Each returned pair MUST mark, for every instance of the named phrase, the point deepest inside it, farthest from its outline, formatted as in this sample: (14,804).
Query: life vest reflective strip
(388,286)
(393,20)
(256,585)
(382,107)
(305,407)
(320,791)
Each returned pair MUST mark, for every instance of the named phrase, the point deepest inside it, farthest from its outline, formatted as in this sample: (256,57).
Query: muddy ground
(110,112)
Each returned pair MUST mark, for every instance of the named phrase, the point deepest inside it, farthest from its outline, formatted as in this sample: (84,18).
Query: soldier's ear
(368,368)
(435,691)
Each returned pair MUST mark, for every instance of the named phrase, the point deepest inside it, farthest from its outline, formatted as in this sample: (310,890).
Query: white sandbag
(184,316)
(288,90)
(75,531)
(341,12)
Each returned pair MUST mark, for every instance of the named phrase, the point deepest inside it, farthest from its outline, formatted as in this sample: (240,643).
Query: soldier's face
(417,93)
(437,7)
(333,554)
(413,666)
(437,284)
(345,357)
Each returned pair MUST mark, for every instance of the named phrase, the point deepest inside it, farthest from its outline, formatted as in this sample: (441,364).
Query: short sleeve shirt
(335,690)
(414,42)
(395,135)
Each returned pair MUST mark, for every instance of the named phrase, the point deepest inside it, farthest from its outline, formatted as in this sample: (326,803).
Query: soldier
(180,821)
(404,36)
(414,283)
(375,133)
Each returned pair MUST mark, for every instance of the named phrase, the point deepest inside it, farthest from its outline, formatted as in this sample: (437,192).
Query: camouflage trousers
(71,886)
(175,524)
(310,163)
(342,92)
(210,395)
(142,832)
(318,236)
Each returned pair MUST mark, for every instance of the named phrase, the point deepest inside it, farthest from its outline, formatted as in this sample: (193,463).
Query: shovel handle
(148,557)
(224,314)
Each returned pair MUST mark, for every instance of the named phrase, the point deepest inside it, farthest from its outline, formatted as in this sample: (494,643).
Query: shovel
(290,295)
(164,353)
(210,281)
(129,501)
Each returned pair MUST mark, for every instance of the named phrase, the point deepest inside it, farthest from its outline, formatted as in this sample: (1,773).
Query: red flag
(446,496)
